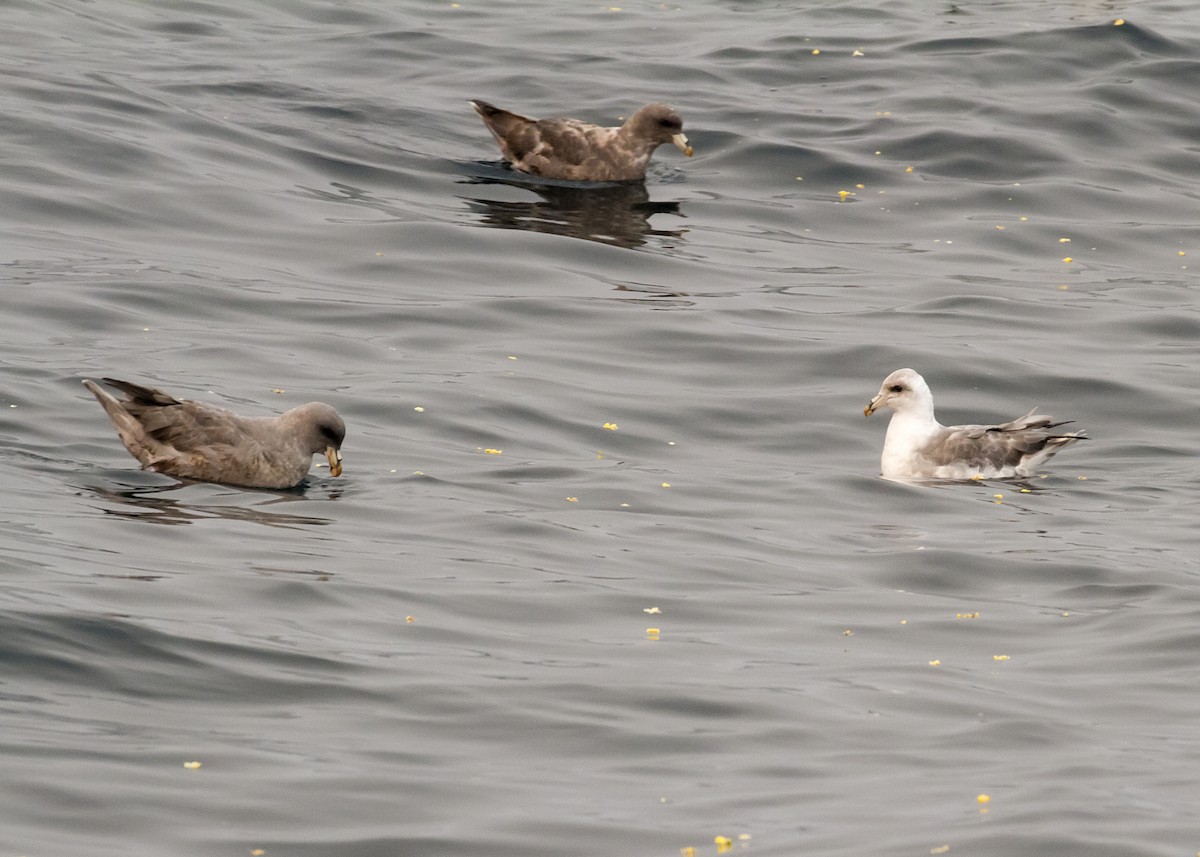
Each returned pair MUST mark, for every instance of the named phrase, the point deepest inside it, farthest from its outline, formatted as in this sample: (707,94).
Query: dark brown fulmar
(576,151)
(194,440)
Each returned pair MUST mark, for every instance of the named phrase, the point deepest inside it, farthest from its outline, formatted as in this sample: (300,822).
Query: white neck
(908,432)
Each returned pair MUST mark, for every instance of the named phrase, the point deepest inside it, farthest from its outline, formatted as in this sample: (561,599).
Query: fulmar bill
(576,151)
(919,447)
(194,440)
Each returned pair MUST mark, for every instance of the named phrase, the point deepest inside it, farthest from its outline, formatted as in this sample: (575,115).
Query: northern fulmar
(194,440)
(917,446)
(577,151)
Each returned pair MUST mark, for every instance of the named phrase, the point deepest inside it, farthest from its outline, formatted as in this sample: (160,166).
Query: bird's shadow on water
(144,497)
(1007,492)
(616,213)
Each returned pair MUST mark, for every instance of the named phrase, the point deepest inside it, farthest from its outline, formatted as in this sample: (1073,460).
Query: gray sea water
(446,651)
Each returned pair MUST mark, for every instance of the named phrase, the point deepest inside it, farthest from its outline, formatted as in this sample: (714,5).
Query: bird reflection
(607,212)
(146,503)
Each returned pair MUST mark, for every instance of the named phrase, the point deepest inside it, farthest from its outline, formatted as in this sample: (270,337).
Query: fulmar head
(903,390)
(659,124)
(322,431)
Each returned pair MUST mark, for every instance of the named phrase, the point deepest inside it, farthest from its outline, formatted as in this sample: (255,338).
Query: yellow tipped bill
(335,460)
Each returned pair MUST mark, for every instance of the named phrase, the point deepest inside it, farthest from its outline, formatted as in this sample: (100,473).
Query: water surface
(445,651)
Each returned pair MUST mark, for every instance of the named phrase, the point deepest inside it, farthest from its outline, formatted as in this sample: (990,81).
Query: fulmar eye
(670,122)
(896,388)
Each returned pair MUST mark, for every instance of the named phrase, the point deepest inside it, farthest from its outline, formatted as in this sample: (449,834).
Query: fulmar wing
(182,425)
(569,141)
(975,447)
(997,447)
(517,135)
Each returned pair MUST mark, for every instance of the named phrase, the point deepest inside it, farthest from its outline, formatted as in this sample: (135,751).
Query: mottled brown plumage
(576,151)
(919,447)
(194,440)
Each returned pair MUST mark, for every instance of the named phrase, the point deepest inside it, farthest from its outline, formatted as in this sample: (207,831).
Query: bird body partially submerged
(917,446)
(578,151)
(195,440)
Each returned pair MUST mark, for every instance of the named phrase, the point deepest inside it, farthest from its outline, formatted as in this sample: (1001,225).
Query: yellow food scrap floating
(1068,259)
(847,633)
(687,851)
(491,451)
(723,843)
(572,499)
(257,852)
(935,663)
(941,849)
(653,611)
(666,485)
(611,426)
(1120,22)
(974,615)
(192,766)
(1000,657)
